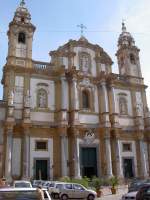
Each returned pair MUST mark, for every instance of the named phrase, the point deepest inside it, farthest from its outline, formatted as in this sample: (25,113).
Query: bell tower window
(132,59)
(22,19)
(22,38)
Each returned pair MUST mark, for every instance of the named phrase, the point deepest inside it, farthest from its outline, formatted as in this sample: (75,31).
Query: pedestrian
(40,193)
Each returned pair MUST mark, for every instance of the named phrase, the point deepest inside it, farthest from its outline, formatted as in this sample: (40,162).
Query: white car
(22,193)
(129,196)
(22,184)
(66,191)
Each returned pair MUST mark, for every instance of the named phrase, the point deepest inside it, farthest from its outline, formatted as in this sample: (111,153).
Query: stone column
(75,96)
(105,97)
(108,154)
(8,160)
(64,155)
(74,102)
(76,156)
(114,107)
(118,160)
(64,100)
(105,105)
(26,153)
(64,94)
(144,169)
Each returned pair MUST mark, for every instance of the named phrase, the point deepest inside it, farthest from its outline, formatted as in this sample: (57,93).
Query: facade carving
(72,116)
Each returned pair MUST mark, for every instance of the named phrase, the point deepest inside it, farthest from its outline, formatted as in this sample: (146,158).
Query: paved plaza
(108,196)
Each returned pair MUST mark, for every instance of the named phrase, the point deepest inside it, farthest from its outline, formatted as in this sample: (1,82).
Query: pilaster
(26,153)
(104,105)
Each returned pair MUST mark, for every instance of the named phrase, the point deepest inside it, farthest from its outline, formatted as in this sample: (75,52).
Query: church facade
(72,116)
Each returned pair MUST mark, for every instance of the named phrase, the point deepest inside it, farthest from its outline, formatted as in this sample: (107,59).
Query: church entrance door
(128,167)
(41,169)
(88,160)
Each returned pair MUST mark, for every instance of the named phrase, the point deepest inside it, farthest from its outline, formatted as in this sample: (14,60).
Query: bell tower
(20,37)
(128,55)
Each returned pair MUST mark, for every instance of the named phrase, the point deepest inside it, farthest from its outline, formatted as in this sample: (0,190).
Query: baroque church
(72,116)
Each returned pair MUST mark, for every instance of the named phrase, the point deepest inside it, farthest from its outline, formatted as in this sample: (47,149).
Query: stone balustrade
(41,65)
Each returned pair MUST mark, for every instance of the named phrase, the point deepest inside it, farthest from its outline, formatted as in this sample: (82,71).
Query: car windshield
(51,184)
(21,195)
(24,185)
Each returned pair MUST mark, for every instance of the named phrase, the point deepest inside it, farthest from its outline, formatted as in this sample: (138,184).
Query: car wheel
(56,196)
(91,197)
(64,197)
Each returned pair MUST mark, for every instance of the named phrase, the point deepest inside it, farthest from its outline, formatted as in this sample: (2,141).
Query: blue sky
(56,22)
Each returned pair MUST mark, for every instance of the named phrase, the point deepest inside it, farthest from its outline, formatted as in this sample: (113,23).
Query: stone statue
(42,99)
(138,109)
(85,63)
(123,106)
(11,98)
(27,99)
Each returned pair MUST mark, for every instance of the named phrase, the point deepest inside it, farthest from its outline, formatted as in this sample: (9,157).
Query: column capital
(9,128)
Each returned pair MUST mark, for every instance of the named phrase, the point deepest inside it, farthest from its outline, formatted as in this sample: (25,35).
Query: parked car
(66,191)
(129,196)
(48,184)
(22,193)
(137,184)
(22,184)
(36,183)
(143,193)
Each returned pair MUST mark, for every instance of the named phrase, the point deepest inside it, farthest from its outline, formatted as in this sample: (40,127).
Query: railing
(41,65)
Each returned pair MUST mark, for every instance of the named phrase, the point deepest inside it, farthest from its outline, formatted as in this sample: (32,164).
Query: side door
(79,191)
(68,189)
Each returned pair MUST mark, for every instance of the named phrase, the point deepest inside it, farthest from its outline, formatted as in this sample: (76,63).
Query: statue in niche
(123,106)
(11,98)
(27,99)
(42,99)
(138,109)
(84,61)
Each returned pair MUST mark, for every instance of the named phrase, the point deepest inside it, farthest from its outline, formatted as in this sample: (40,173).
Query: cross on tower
(82,27)
(22,3)
(123,25)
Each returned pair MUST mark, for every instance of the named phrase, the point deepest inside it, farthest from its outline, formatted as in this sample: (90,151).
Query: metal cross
(123,25)
(22,3)
(82,27)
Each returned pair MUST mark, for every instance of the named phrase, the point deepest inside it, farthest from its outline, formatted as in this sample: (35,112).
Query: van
(22,194)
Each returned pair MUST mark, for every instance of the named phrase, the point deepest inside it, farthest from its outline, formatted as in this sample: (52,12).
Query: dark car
(143,193)
(137,184)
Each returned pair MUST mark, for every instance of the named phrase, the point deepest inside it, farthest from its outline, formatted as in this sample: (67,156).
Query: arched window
(42,98)
(85,99)
(132,59)
(123,107)
(22,38)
